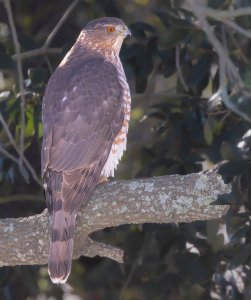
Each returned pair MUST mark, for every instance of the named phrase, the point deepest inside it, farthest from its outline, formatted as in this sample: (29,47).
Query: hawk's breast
(119,144)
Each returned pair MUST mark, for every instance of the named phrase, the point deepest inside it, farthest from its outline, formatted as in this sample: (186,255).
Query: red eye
(110,28)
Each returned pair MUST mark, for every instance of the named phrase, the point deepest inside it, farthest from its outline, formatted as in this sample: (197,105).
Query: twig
(48,64)
(13,143)
(20,76)
(129,277)
(60,23)
(18,57)
(223,14)
(96,248)
(21,197)
(7,154)
(199,12)
(234,26)
(45,48)
(227,69)
(134,267)
(177,63)
(237,28)
(237,46)
(37,52)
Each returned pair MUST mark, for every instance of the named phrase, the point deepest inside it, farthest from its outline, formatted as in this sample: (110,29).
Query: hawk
(85,114)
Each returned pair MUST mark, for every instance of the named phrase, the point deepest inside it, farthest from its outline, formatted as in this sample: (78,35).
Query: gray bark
(176,198)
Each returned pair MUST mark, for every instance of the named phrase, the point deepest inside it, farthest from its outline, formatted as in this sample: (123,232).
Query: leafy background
(175,129)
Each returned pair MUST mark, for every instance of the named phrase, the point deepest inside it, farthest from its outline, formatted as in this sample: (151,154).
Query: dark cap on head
(104,21)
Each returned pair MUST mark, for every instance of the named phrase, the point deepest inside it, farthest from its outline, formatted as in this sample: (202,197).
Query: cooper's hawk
(86,110)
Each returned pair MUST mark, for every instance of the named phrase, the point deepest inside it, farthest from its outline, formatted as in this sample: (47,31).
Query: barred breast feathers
(119,144)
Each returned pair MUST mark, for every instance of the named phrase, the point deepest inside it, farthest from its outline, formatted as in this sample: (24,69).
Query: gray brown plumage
(86,110)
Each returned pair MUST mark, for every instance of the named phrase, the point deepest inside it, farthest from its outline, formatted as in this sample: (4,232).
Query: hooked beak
(128,33)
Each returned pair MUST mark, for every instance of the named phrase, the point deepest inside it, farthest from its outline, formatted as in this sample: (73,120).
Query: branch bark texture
(164,199)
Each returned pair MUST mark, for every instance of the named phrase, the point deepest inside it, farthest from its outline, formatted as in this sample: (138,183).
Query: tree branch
(227,69)
(45,48)
(224,14)
(164,199)
(38,52)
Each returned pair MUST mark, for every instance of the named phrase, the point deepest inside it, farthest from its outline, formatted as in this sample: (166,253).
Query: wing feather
(81,119)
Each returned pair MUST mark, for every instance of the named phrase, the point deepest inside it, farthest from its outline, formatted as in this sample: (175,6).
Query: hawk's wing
(82,114)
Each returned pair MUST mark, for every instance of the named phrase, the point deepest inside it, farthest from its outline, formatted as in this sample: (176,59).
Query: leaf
(208,133)
(216,126)
(229,151)
(163,17)
(215,240)
(6,62)
(241,256)
(139,30)
(235,168)
(29,128)
(169,19)
(200,69)
(37,76)
(239,102)
(167,67)
(4,95)
(157,115)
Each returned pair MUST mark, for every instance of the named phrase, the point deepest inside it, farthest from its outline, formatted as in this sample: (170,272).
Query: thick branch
(154,200)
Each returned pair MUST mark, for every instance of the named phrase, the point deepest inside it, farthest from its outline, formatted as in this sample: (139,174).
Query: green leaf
(29,128)
(208,133)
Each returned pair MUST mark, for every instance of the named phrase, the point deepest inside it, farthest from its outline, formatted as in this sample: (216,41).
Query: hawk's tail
(61,244)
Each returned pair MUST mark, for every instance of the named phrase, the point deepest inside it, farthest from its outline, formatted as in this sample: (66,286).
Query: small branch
(224,14)
(94,248)
(21,197)
(60,23)
(227,69)
(20,76)
(164,199)
(13,143)
(7,154)
(199,12)
(237,28)
(226,21)
(44,50)
(38,52)
(179,71)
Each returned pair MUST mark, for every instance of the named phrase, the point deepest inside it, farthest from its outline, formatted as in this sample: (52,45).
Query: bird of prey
(85,114)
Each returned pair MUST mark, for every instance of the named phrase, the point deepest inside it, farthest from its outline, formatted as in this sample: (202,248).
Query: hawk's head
(106,33)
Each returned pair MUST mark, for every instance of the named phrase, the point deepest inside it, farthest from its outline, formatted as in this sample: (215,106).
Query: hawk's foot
(102,179)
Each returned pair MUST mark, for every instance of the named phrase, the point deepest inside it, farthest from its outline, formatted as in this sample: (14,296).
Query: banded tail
(61,246)
(65,193)
(62,230)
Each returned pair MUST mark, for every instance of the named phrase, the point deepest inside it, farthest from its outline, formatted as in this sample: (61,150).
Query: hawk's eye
(110,28)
